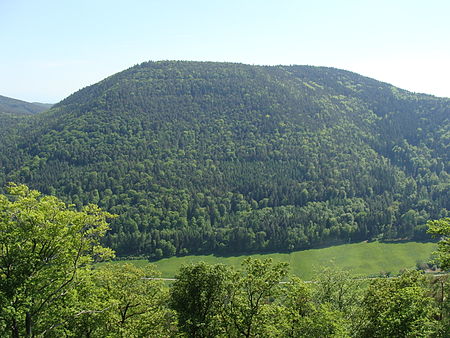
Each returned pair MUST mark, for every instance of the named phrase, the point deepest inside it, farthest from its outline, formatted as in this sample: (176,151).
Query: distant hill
(203,157)
(18,107)
(44,106)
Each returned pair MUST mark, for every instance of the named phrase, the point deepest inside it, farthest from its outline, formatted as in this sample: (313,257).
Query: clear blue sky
(51,48)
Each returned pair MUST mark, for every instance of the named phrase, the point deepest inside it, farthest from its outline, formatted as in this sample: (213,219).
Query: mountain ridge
(20,107)
(201,157)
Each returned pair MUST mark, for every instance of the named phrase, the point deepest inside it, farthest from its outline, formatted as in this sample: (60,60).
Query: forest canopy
(200,157)
(52,286)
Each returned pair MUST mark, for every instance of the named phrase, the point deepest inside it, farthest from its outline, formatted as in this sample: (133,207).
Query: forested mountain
(199,157)
(13,112)
(18,107)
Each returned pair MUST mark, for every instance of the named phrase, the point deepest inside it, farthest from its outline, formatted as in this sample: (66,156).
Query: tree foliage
(305,315)
(200,157)
(119,300)
(199,295)
(43,245)
(49,287)
(399,307)
(257,301)
(441,228)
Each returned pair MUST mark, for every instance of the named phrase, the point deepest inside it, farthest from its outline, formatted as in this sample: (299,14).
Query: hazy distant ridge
(19,107)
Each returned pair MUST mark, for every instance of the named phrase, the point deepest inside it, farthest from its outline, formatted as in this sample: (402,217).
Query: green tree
(441,228)
(43,245)
(85,312)
(133,301)
(251,310)
(198,296)
(337,288)
(398,307)
(114,300)
(440,290)
(337,292)
(303,317)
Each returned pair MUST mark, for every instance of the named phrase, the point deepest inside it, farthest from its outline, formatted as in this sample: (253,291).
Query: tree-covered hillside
(18,107)
(13,113)
(200,157)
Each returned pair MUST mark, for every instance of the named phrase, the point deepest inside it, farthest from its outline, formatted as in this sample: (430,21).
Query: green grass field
(359,258)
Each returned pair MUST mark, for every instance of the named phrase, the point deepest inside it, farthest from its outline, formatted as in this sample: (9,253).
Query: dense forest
(199,157)
(19,107)
(52,284)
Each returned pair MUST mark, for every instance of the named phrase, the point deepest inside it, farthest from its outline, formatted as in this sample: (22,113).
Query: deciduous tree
(441,227)
(43,245)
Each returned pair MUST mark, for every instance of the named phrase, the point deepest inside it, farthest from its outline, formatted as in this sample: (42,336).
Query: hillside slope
(200,157)
(18,107)
(13,113)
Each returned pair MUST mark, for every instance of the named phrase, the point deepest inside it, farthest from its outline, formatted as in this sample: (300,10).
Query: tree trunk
(28,325)
(14,329)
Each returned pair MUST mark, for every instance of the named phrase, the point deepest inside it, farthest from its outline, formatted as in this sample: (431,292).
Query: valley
(360,259)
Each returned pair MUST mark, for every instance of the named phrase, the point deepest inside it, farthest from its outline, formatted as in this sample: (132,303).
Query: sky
(52,48)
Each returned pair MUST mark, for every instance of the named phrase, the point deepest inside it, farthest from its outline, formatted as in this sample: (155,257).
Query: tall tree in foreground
(398,307)
(441,227)
(43,245)
(115,300)
(218,301)
(251,311)
(137,300)
(304,317)
(199,296)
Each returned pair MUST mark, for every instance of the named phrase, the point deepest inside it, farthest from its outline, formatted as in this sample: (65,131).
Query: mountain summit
(203,157)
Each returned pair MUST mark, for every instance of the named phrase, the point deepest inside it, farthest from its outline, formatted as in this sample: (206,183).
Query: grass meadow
(364,259)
